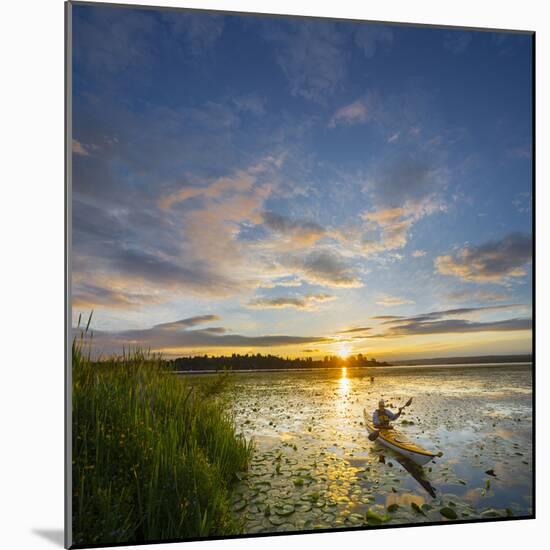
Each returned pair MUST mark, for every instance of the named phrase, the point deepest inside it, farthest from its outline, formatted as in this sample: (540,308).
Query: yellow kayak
(396,441)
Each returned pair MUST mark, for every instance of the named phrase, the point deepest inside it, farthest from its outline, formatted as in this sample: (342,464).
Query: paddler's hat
(381,403)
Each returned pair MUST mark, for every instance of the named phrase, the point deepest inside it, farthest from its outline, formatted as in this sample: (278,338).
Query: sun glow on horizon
(344,350)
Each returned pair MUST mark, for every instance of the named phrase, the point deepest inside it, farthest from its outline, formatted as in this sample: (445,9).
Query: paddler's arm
(394,416)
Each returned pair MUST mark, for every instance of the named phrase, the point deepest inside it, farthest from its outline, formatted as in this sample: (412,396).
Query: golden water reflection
(405,499)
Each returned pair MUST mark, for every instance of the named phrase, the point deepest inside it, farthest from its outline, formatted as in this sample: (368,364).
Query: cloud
(324,267)
(90,296)
(311,54)
(458,41)
(392,226)
(111,41)
(188,322)
(354,113)
(386,317)
(522,202)
(464,312)
(369,37)
(394,137)
(158,270)
(251,103)
(494,261)
(407,190)
(418,253)
(408,182)
(476,295)
(282,281)
(388,300)
(351,330)
(314,55)
(241,182)
(178,336)
(457,326)
(200,31)
(449,321)
(298,232)
(306,301)
(80,149)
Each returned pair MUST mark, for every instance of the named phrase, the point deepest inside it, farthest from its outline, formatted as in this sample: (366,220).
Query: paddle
(374,435)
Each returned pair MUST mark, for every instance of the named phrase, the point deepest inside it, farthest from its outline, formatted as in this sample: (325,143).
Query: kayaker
(382,417)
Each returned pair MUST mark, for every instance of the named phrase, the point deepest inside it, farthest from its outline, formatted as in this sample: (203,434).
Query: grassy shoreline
(153,457)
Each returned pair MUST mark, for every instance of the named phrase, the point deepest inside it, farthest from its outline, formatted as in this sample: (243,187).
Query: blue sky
(281,185)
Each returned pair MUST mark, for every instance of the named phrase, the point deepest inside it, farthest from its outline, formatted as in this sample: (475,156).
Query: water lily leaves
(490,472)
(372,518)
(239,505)
(284,509)
(417,508)
(277,520)
(393,508)
(303,507)
(448,513)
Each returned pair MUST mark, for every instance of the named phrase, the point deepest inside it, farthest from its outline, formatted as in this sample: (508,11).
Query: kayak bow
(396,441)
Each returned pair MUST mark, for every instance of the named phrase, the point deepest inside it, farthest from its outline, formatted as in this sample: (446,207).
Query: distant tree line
(265,362)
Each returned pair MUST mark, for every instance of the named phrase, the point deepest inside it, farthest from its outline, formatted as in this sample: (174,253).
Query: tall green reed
(153,457)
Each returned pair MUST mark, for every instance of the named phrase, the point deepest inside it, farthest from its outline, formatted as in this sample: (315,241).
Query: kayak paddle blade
(373,436)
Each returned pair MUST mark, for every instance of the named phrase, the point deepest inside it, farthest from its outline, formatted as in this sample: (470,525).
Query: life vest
(383,418)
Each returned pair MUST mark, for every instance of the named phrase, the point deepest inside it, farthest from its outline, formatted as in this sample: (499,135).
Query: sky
(302,187)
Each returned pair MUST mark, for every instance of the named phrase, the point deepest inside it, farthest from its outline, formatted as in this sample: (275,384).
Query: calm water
(315,468)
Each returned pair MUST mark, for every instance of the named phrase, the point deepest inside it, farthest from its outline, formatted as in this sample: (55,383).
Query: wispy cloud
(324,267)
(479,295)
(251,103)
(297,233)
(369,37)
(523,202)
(452,321)
(394,137)
(312,56)
(385,317)
(470,312)
(457,326)
(388,300)
(353,330)
(188,322)
(177,337)
(305,301)
(418,253)
(354,113)
(89,296)
(405,192)
(494,261)
(80,149)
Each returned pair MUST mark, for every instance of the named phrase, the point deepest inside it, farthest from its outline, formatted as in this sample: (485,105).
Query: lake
(314,468)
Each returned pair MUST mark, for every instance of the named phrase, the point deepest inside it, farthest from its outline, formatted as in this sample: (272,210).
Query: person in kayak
(382,417)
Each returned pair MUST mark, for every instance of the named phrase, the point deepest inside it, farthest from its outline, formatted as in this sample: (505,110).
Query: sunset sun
(344,351)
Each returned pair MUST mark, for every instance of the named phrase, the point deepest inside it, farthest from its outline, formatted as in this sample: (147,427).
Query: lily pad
(284,510)
(448,513)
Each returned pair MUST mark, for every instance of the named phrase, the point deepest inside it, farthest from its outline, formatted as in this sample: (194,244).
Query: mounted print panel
(300,278)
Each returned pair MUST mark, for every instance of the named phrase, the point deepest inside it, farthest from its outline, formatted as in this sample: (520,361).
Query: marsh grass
(153,457)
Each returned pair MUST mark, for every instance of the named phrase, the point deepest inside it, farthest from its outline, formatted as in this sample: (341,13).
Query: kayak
(396,441)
